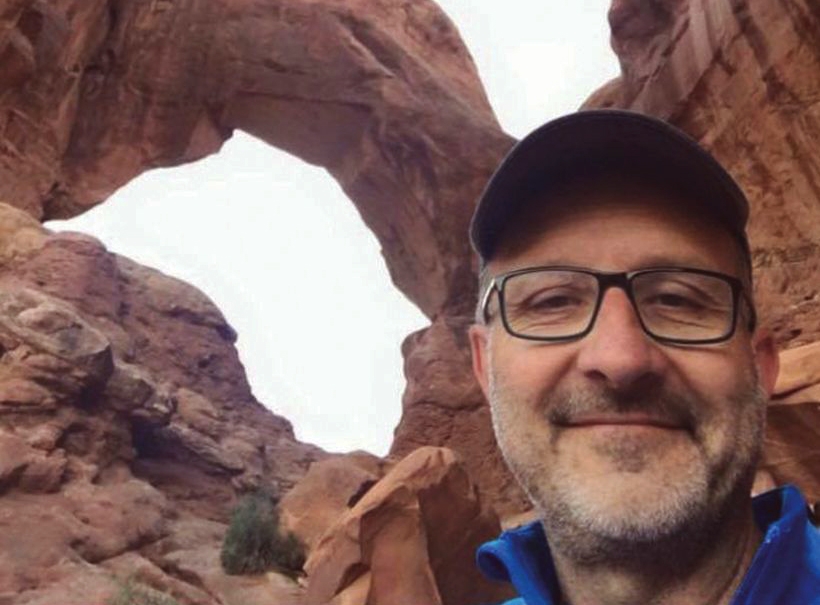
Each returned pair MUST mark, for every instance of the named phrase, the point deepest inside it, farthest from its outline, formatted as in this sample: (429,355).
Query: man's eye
(675,300)
(555,302)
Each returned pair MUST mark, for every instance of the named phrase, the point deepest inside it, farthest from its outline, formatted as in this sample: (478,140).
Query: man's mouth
(617,413)
(624,419)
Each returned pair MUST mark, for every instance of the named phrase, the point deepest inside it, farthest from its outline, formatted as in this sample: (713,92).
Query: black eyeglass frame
(622,280)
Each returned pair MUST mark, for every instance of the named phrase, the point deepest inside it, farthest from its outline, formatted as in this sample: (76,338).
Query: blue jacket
(784,571)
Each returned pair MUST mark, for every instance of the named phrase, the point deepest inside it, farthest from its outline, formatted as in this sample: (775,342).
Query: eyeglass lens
(676,305)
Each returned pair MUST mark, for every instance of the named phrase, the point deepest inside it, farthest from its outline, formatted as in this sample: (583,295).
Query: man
(617,343)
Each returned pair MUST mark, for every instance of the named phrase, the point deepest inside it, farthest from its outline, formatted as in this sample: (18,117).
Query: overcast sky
(269,237)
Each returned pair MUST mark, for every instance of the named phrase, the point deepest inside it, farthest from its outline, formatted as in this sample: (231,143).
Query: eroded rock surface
(329,489)
(382,93)
(126,423)
(410,539)
(792,452)
(741,76)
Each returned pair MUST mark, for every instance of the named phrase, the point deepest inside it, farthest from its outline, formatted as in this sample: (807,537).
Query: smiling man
(617,343)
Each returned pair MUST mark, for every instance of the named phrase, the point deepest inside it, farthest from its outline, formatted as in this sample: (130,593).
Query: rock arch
(383,94)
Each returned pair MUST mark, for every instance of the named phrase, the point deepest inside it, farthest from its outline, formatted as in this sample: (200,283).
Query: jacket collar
(522,556)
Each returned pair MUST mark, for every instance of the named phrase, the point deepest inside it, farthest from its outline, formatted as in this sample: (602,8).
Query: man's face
(616,437)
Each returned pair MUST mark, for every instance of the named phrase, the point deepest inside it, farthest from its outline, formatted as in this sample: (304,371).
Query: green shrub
(131,593)
(254,543)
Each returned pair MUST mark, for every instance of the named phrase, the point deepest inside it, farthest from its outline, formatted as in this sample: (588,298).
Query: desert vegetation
(254,542)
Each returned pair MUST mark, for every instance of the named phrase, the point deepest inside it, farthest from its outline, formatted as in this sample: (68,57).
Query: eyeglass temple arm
(485,302)
(751,306)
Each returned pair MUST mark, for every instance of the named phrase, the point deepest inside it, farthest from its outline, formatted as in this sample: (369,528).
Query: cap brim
(574,142)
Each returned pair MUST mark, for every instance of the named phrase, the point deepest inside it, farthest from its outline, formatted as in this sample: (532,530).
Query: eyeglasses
(673,305)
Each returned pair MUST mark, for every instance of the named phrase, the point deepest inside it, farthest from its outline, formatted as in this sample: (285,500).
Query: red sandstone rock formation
(380,92)
(124,408)
(741,77)
(792,452)
(127,428)
(327,491)
(410,539)
(383,94)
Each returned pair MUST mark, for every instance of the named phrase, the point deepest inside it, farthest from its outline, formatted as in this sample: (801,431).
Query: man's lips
(621,419)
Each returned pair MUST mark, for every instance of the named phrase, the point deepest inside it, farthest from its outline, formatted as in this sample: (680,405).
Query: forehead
(616,225)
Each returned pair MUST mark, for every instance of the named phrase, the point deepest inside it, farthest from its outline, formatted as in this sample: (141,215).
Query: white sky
(252,226)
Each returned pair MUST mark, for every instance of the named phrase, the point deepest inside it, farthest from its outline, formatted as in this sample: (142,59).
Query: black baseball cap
(586,142)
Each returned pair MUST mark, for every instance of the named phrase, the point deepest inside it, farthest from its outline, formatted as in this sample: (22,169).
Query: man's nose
(617,352)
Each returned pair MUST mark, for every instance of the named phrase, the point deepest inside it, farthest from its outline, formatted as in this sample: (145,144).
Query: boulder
(410,539)
(329,489)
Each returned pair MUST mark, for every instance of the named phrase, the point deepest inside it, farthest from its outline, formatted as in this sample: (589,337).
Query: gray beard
(668,533)
(673,539)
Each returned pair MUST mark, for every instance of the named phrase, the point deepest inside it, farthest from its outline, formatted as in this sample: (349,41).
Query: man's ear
(766,358)
(478,347)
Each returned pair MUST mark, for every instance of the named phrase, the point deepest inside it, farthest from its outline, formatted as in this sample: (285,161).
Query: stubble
(674,513)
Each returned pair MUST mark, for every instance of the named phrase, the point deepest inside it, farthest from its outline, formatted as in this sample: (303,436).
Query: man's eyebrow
(682,260)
